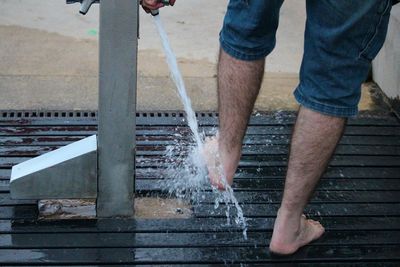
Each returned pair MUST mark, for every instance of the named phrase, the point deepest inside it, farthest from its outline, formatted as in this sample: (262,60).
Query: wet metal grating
(358,198)
(25,114)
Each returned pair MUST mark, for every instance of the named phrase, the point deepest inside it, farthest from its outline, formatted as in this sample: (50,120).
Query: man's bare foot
(221,165)
(291,234)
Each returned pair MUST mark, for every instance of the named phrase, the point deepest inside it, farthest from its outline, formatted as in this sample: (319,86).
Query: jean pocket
(376,35)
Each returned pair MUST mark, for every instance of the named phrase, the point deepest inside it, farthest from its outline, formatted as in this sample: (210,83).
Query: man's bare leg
(238,86)
(314,140)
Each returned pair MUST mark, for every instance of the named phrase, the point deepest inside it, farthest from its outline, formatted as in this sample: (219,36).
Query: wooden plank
(266,140)
(251,161)
(350,130)
(25,151)
(319,197)
(340,150)
(39,140)
(248,150)
(266,161)
(266,130)
(5,200)
(219,255)
(359,263)
(269,197)
(341,184)
(346,140)
(5,174)
(323,210)
(275,139)
(265,186)
(176,240)
(342,160)
(252,150)
(246,162)
(47,130)
(279,172)
(4,185)
(331,172)
(25,212)
(289,118)
(190,225)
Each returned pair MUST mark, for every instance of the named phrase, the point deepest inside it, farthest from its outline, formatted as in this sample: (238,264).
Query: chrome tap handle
(85,5)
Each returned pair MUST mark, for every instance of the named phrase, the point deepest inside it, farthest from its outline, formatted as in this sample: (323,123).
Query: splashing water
(186,172)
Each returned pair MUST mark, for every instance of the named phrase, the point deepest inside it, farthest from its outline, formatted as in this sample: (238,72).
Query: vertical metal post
(117,107)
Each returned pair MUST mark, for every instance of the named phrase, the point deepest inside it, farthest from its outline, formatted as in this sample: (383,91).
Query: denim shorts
(341,39)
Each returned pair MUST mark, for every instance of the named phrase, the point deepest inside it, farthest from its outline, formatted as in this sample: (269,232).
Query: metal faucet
(85,5)
(156,12)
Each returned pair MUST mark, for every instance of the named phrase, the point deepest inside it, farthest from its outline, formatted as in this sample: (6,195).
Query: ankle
(287,223)
(287,216)
(292,209)
(230,156)
(229,149)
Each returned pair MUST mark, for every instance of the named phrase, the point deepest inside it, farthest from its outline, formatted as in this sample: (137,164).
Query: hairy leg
(314,140)
(238,86)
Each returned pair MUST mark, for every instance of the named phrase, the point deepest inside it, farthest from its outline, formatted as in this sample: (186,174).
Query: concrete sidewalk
(48,56)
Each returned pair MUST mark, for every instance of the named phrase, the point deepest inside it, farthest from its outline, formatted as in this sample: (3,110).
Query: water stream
(178,80)
(186,175)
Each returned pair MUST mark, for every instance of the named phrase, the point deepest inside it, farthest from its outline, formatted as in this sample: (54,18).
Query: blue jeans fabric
(341,39)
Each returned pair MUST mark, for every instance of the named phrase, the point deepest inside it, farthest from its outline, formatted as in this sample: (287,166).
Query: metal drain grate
(23,114)
(175,114)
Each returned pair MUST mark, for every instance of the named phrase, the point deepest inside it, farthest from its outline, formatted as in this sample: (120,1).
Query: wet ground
(357,199)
